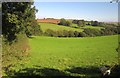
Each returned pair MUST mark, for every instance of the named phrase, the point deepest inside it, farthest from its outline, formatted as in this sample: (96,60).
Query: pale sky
(100,11)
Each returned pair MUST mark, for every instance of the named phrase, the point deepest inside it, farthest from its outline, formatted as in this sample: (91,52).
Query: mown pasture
(53,56)
(62,53)
(73,27)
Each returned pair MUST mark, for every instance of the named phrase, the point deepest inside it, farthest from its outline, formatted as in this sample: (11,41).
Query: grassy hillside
(55,27)
(45,26)
(93,27)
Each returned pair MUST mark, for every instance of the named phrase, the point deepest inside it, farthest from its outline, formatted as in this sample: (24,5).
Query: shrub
(82,34)
(71,33)
(94,23)
(92,32)
(68,23)
(66,34)
(36,29)
(110,31)
(77,34)
(60,34)
(50,32)
(64,22)
(81,23)
(12,53)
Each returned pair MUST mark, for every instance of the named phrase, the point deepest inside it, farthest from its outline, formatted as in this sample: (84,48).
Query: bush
(71,33)
(12,53)
(92,32)
(60,34)
(50,32)
(68,23)
(110,31)
(77,34)
(36,29)
(82,34)
(64,22)
(81,23)
(66,34)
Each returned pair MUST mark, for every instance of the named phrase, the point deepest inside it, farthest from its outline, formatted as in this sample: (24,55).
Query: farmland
(45,26)
(55,27)
(64,52)
(60,54)
(58,39)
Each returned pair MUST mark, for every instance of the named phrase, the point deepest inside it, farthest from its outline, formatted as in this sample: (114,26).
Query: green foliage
(36,29)
(110,31)
(77,34)
(64,22)
(92,32)
(83,34)
(63,33)
(51,33)
(81,23)
(94,23)
(71,33)
(16,20)
(66,34)
(68,23)
(75,21)
(18,23)
(16,51)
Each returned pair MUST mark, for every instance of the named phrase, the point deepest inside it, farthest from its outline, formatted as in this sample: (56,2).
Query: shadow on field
(94,72)
(81,72)
(84,70)
(36,72)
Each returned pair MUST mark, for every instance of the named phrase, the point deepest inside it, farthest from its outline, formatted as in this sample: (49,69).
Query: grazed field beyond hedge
(55,27)
(62,53)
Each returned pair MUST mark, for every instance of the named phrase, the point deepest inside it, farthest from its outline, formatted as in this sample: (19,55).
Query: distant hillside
(48,20)
(55,27)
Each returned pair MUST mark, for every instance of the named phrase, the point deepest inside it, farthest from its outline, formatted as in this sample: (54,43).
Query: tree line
(82,23)
(87,32)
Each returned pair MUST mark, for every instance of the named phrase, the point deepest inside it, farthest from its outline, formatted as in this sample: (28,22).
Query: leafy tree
(18,23)
(17,20)
(94,23)
(66,34)
(75,21)
(62,22)
(77,34)
(71,33)
(81,23)
(68,23)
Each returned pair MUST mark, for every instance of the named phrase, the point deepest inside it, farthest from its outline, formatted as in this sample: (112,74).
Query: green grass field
(55,27)
(65,53)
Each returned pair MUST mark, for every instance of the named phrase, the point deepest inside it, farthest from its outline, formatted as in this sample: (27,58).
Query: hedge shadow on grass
(75,72)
